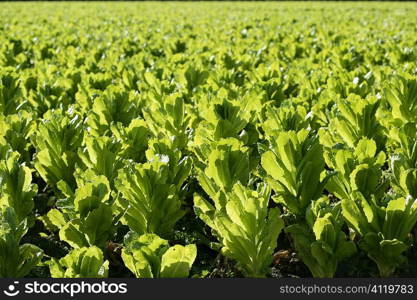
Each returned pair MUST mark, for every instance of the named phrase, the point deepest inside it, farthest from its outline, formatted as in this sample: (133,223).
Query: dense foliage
(208,139)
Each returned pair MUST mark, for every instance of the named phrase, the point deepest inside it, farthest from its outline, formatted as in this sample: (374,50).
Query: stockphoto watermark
(71,289)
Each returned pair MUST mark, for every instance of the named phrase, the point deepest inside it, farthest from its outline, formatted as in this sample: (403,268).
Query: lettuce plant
(284,118)
(320,240)
(247,230)
(169,118)
(400,93)
(149,256)
(353,119)
(100,156)
(87,213)
(134,139)
(16,260)
(111,107)
(227,164)
(403,159)
(295,169)
(384,229)
(85,262)
(9,91)
(294,166)
(149,195)
(17,130)
(219,117)
(57,140)
(16,188)
(358,170)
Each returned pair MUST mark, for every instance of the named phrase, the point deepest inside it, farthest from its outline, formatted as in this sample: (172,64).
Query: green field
(208,139)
